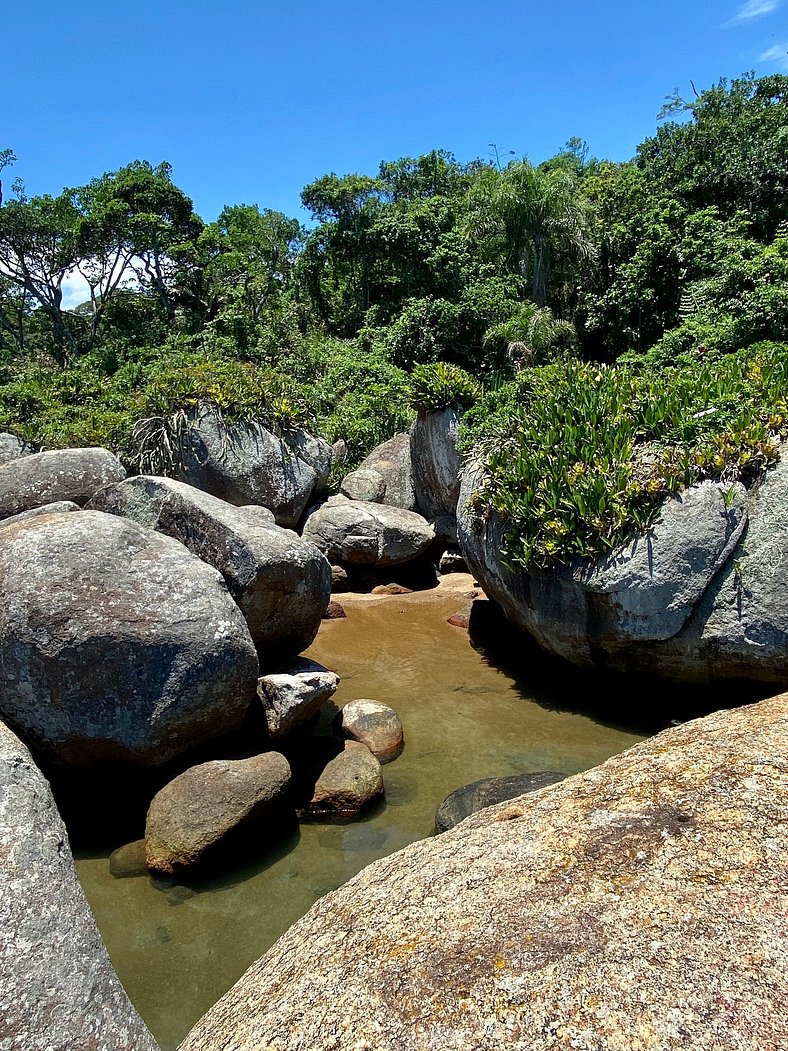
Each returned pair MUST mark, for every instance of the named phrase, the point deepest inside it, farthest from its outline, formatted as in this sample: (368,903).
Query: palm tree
(528,216)
(532,336)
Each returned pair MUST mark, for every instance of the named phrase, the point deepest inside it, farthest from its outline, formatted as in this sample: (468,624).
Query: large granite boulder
(469,799)
(436,462)
(116,643)
(243,463)
(365,533)
(11,447)
(294,695)
(703,595)
(280,582)
(193,814)
(387,473)
(314,451)
(62,474)
(58,990)
(57,508)
(640,905)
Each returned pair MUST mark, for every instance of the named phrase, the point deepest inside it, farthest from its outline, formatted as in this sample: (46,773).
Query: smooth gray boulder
(291,697)
(243,463)
(639,906)
(488,791)
(385,476)
(364,533)
(116,643)
(280,582)
(11,447)
(673,602)
(193,814)
(59,991)
(59,507)
(62,474)
(314,451)
(436,462)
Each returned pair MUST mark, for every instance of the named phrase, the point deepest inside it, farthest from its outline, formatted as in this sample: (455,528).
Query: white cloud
(777,54)
(754,9)
(75,290)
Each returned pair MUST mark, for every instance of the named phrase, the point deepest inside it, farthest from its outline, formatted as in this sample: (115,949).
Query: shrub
(439,385)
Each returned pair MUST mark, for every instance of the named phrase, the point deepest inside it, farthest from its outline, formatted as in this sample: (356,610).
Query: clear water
(178,949)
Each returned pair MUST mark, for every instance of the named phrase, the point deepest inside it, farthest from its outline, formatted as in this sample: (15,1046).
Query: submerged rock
(116,643)
(280,582)
(469,799)
(637,906)
(58,991)
(192,814)
(62,474)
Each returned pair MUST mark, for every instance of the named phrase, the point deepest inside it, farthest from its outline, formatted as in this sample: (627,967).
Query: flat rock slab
(363,533)
(374,724)
(290,698)
(59,991)
(638,907)
(280,582)
(62,474)
(192,814)
(116,643)
(488,791)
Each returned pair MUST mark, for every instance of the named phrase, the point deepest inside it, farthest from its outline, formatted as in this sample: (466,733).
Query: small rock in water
(489,790)
(128,860)
(348,784)
(334,611)
(460,619)
(374,724)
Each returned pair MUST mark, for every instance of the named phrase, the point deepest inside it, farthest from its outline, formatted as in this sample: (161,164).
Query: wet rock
(243,463)
(280,582)
(348,784)
(293,696)
(486,792)
(374,724)
(58,989)
(462,618)
(334,611)
(63,474)
(391,589)
(116,643)
(436,462)
(59,507)
(355,531)
(193,814)
(594,914)
(11,447)
(128,860)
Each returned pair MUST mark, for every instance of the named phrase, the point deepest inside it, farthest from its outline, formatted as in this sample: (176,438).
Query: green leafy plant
(439,384)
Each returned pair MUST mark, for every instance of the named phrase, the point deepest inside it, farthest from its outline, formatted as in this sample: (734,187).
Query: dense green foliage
(412,287)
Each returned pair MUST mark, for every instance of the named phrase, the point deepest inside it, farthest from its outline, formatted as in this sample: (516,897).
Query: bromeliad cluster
(579,457)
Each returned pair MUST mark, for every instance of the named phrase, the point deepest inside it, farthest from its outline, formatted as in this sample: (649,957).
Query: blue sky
(250,101)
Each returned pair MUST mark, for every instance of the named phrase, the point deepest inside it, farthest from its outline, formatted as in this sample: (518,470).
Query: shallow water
(177,950)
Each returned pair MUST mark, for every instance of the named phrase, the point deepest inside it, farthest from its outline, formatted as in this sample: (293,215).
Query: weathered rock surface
(436,462)
(11,447)
(243,463)
(592,914)
(57,508)
(334,611)
(313,451)
(58,990)
(364,533)
(348,784)
(63,474)
(387,473)
(192,814)
(374,724)
(469,799)
(292,697)
(116,643)
(451,561)
(674,602)
(280,582)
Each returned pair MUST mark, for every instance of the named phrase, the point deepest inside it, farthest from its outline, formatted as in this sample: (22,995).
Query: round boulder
(374,724)
(356,531)
(196,811)
(62,474)
(463,802)
(348,784)
(116,643)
